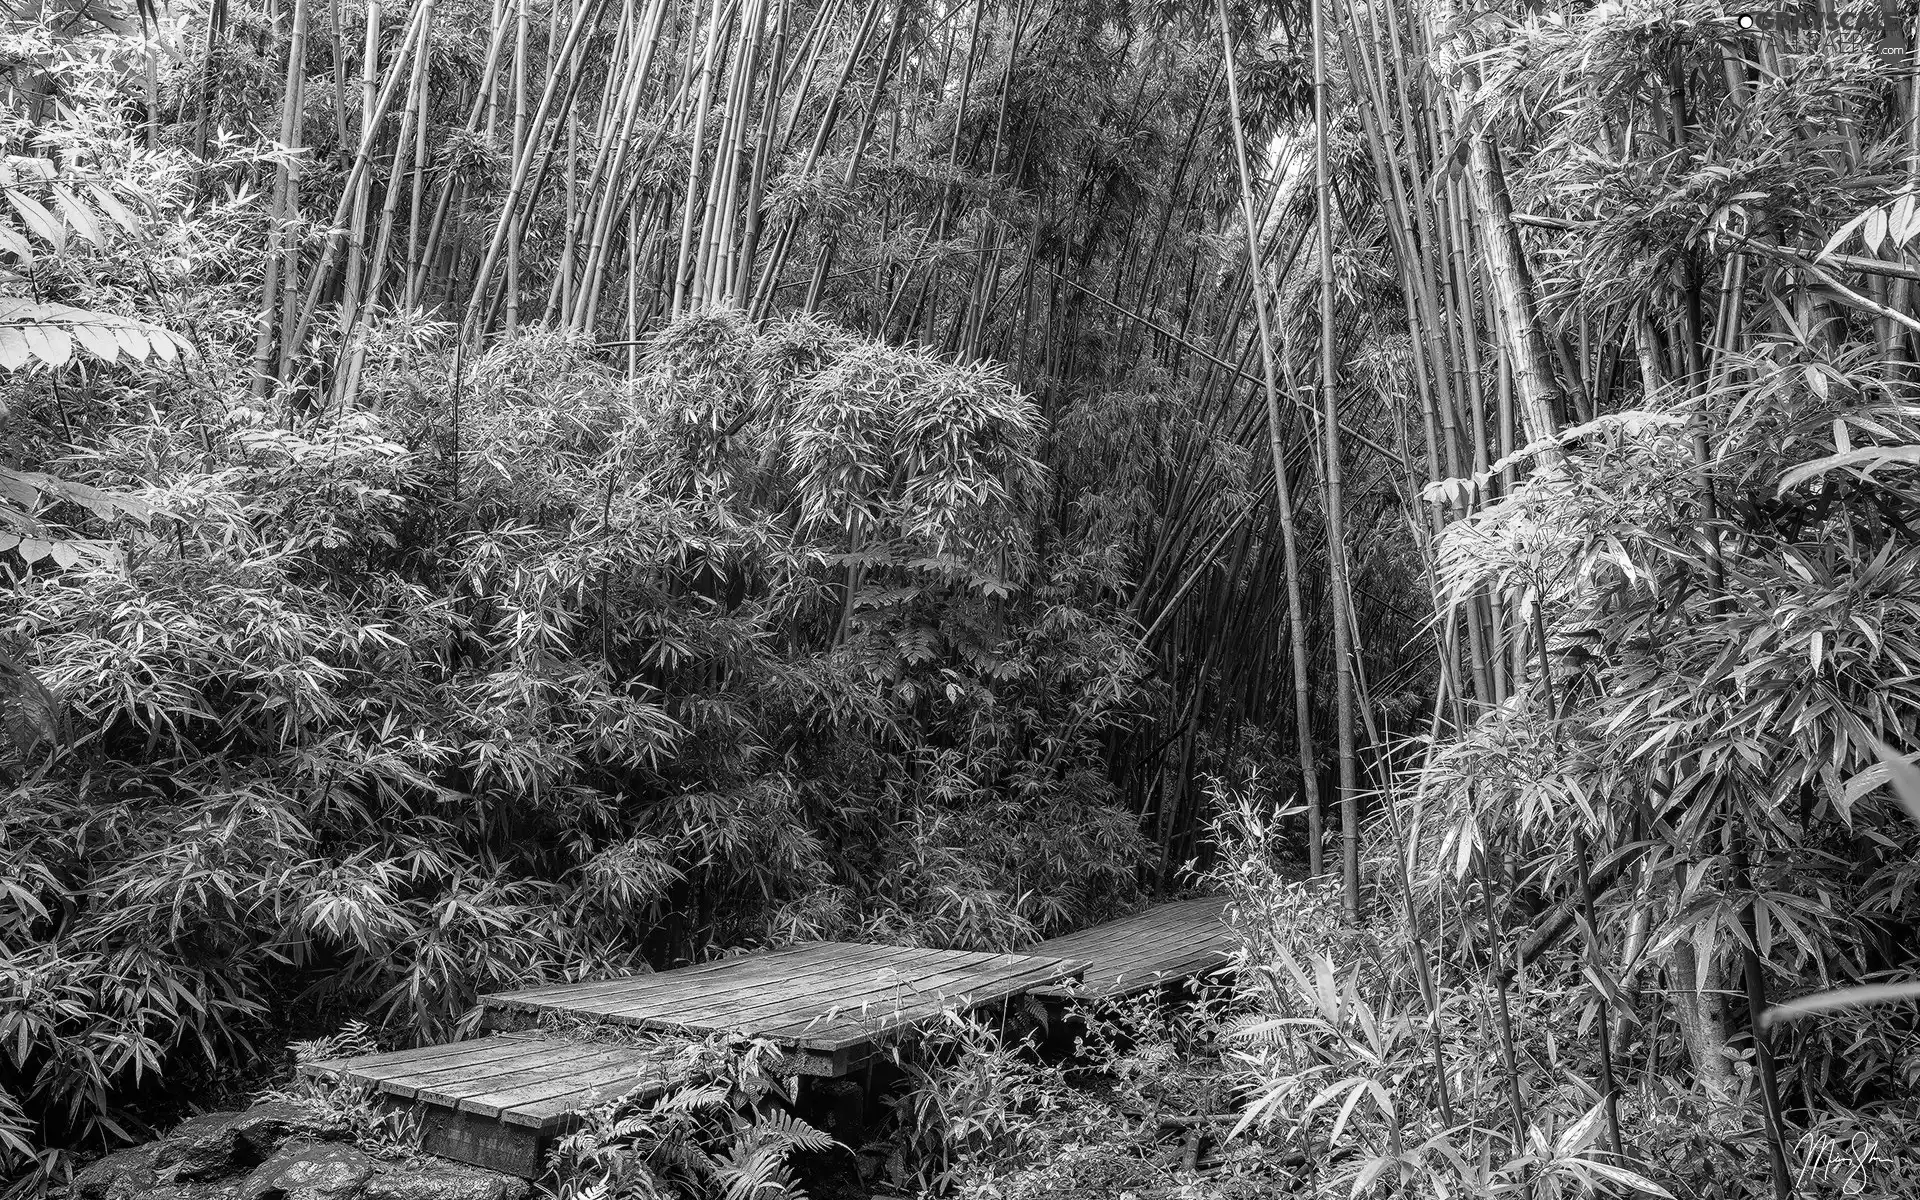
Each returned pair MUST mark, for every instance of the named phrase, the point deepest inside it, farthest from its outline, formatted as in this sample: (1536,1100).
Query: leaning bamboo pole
(338,229)
(517,197)
(609,192)
(1338,580)
(348,380)
(1283,490)
(823,130)
(1537,386)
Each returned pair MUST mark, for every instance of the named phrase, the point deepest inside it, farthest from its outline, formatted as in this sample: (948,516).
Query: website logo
(1882,26)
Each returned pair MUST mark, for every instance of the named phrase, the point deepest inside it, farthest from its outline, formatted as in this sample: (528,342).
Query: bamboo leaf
(1626,1178)
(1581,1133)
(1842,998)
(1358,1090)
(78,216)
(14,350)
(49,343)
(38,219)
(1375,1168)
(115,211)
(1900,225)
(97,339)
(14,243)
(1843,233)
(1898,770)
(1863,462)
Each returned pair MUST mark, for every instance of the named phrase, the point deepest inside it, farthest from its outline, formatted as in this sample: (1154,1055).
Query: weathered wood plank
(509,1149)
(751,985)
(862,1017)
(649,982)
(448,1050)
(855,1045)
(554,1112)
(559,993)
(1162,945)
(440,1087)
(402,1075)
(913,982)
(936,993)
(678,983)
(741,1004)
(594,987)
(569,1059)
(800,988)
(917,971)
(709,1011)
(526,1102)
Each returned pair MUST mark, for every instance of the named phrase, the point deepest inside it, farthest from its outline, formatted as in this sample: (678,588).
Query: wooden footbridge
(832,1007)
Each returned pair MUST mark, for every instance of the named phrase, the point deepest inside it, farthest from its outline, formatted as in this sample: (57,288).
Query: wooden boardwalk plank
(716,994)
(401,1080)
(547,1112)
(986,978)
(528,1081)
(428,1085)
(560,1066)
(790,993)
(756,991)
(1164,944)
(802,989)
(918,981)
(449,1050)
(683,977)
(847,1024)
(673,990)
(623,1070)
(971,983)
(602,988)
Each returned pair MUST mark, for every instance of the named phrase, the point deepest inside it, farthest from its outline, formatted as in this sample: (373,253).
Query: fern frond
(794,1131)
(754,1171)
(713,1095)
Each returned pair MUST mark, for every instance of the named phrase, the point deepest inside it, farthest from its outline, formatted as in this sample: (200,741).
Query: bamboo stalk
(683,265)
(1335,519)
(356,352)
(607,186)
(485,106)
(518,150)
(506,227)
(283,207)
(1296,610)
(338,228)
(361,188)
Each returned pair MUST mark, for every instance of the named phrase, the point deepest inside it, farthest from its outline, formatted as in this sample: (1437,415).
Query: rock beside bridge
(279,1151)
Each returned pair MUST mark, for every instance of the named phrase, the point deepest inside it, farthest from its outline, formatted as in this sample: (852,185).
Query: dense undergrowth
(584,519)
(1326,1065)
(523,668)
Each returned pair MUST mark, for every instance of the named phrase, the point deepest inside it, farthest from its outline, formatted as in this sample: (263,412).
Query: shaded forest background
(517,492)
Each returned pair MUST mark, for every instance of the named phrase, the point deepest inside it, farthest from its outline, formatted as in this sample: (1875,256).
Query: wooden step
(497,1102)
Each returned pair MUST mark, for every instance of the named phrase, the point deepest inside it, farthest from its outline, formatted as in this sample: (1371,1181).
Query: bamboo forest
(997,599)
